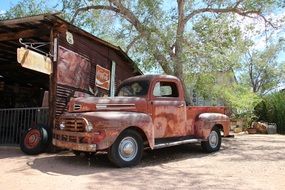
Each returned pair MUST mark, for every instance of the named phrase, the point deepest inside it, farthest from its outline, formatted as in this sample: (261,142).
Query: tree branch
(222,10)
(267,21)
(232,9)
(132,43)
(128,15)
(94,7)
(178,67)
(238,3)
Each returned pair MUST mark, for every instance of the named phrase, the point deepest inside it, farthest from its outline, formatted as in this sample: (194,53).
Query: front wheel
(127,149)
(213,143)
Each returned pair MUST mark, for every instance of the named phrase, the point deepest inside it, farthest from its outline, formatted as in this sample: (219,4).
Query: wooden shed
(44,61)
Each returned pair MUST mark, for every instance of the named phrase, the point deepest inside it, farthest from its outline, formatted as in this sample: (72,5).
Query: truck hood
(90,104)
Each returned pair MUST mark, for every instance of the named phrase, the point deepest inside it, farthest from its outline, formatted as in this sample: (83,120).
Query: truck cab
(148,111)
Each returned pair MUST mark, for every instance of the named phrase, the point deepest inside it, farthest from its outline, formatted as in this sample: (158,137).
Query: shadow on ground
(68,164)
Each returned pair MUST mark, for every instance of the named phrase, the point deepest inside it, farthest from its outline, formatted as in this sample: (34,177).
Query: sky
(6,4)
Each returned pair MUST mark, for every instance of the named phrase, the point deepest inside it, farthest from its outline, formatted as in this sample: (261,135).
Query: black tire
(34,141)
(86,154)
(128,139)
(76,152)
(214,145)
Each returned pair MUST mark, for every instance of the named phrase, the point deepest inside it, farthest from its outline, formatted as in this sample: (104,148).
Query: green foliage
(242,100)
(261,69)
(222,86)
(272,109)
(216,45)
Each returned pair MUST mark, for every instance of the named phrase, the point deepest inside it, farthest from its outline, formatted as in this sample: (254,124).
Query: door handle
(180,106)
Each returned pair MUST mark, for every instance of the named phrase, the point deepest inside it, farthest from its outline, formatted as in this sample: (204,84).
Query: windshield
(136,88)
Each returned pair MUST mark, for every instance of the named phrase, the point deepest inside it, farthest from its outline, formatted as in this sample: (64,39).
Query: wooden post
(52,83)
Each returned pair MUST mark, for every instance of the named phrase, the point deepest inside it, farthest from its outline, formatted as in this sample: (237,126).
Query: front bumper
(72,140)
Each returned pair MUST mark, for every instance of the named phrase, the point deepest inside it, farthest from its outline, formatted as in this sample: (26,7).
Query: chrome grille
(73,124)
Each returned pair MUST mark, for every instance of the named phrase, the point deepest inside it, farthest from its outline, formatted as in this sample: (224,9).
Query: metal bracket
(35,46)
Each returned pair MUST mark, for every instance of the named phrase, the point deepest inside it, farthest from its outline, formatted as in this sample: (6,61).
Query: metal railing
(14,121)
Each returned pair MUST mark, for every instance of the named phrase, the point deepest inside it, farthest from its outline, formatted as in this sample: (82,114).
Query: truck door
(168,110)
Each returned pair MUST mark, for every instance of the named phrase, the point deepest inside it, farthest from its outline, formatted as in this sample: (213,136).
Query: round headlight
(62,125)
(89,127)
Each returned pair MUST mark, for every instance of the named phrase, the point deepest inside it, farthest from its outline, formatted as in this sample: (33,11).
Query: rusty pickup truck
(148,111)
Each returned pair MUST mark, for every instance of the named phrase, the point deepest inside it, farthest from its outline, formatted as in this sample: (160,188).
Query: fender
(112,123)
(206,121)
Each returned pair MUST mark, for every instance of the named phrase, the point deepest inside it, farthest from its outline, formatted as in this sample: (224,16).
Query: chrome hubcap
(213,139)
(128,148)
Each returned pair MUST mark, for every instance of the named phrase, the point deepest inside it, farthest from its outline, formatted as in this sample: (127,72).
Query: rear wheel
(127,149)
(213,143)
(34,140)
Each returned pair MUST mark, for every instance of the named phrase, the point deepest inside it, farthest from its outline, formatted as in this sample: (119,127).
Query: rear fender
(206,121)
(113,123)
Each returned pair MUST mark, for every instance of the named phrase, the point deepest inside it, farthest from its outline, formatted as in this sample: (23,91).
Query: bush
(272,110)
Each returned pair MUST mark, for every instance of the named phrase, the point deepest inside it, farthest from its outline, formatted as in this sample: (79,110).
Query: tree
(261,69)
(148,22)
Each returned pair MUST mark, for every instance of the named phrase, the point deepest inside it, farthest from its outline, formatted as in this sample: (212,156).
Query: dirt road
(244,162)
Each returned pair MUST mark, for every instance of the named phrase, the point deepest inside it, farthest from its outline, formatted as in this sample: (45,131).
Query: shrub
(272,110)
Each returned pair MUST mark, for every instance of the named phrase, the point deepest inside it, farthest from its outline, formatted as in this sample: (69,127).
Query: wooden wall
(97,54)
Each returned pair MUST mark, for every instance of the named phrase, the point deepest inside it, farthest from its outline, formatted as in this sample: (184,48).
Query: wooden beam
(23,34)
(13,52)
(16,21)
(3,59)
(9,67)
(4,45)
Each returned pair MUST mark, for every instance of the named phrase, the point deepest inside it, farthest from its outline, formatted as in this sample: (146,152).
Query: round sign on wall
(69,38)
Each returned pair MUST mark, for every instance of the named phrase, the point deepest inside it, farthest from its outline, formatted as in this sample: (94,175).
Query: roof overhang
(32,26)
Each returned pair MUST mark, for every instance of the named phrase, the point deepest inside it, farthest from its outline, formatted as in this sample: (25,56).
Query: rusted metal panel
(206,121)
(168,113)
(194,111)
(75,146)
(73,69)
(156,117)
(109,126)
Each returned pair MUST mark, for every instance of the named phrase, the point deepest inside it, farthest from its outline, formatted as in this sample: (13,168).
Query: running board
(168,144)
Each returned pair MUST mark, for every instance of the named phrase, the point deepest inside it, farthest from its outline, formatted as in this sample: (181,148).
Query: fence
(16,120)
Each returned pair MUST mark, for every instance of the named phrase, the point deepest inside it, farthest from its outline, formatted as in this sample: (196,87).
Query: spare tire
(35,140)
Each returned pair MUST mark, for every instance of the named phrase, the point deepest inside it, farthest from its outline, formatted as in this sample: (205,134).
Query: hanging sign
(102,77)
(33,60)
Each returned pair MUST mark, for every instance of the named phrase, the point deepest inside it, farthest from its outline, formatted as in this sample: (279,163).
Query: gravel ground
(244,162)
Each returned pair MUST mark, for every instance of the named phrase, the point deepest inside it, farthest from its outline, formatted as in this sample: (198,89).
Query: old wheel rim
(213,139)
(32,138)
(128,149)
